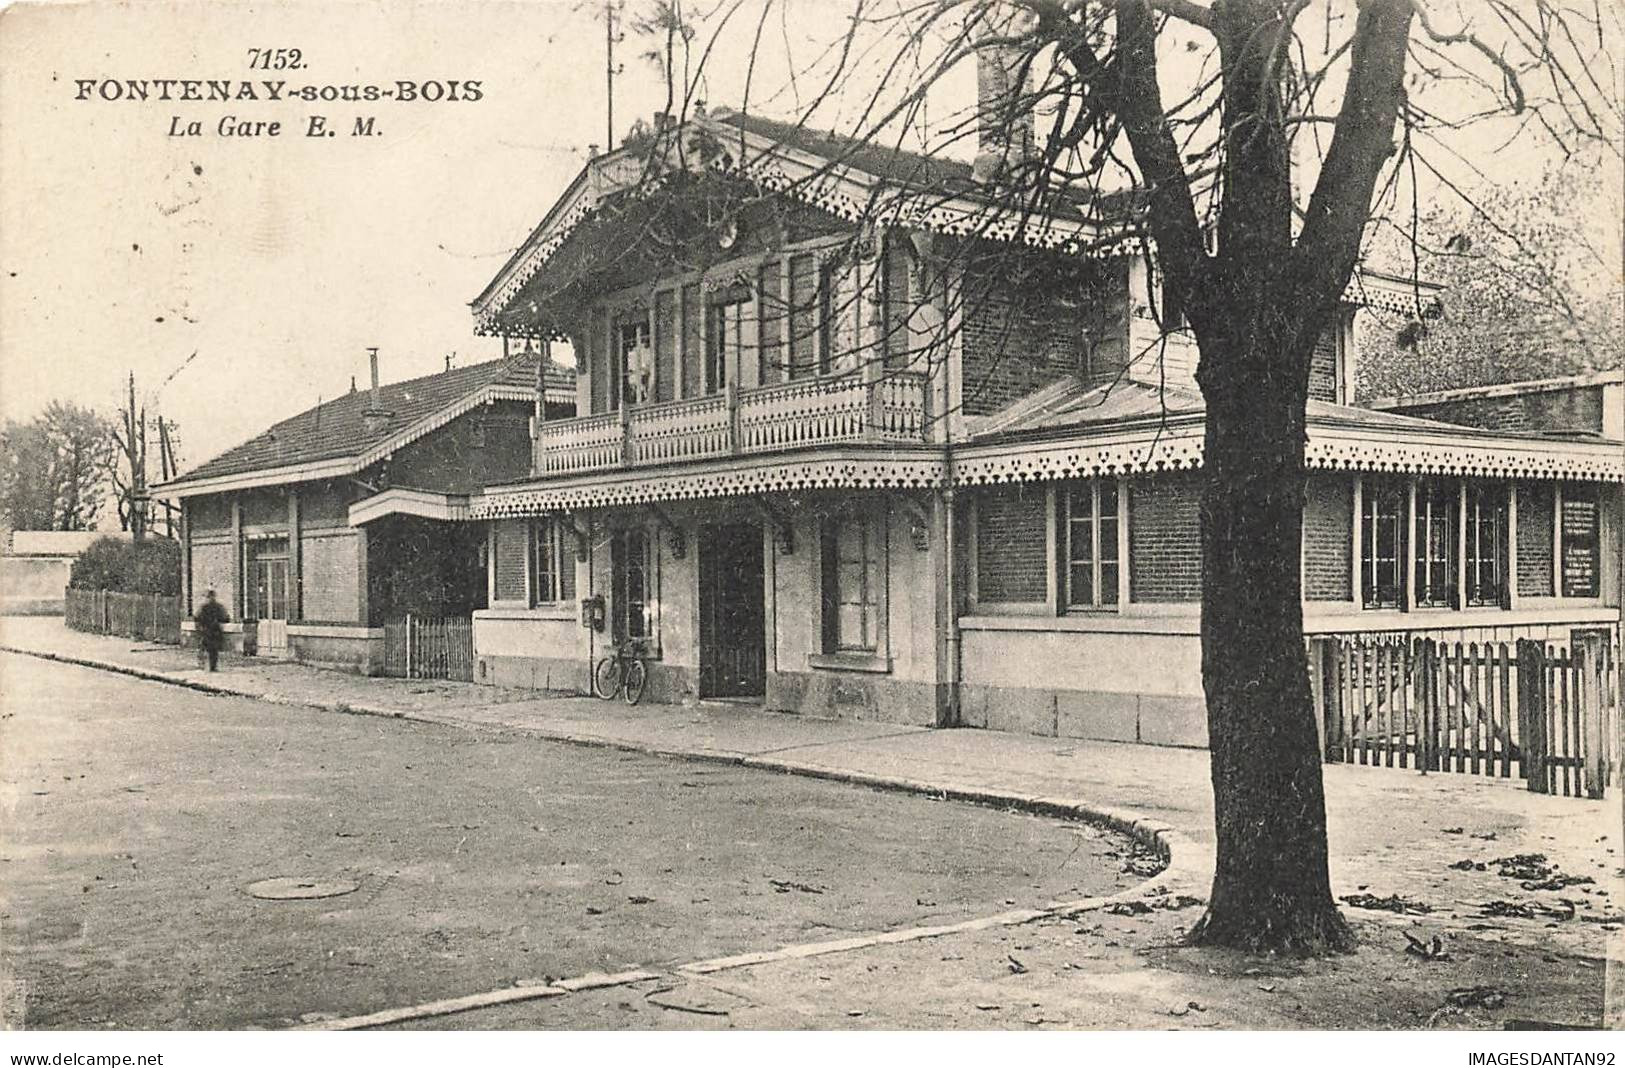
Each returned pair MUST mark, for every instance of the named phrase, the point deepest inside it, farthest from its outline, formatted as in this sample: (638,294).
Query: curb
(1171,846)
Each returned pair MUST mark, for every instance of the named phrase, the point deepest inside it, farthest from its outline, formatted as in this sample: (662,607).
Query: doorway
(733,617)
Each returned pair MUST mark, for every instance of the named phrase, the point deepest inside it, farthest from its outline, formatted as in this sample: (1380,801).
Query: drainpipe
(951,549)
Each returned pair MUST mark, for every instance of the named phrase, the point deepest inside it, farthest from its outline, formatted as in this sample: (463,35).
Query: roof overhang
(842,191)
(914,467)
(337,467)
(1175,445)
(341,466)
(1506,389)
(425,504)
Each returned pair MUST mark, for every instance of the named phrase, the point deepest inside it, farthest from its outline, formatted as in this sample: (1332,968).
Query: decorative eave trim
(1137,450)
(1351,449)
(842,191)
(826,469)
(450,507)
(336,467)
(1505,389)
(1143,450)
(1372,289)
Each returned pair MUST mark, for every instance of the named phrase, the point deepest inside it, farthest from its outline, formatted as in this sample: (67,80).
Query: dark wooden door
(733,621)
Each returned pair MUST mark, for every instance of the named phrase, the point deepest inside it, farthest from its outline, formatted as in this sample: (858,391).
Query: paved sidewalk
(1392,831)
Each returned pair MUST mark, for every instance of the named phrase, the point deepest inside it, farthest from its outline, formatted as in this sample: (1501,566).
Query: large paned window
(552,566)
(1089,544)
(1382,544)
(1435,533)
(635,574)
(853,549)
(1485,522)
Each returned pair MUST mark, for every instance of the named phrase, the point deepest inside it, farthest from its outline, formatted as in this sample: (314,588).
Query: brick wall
(511,541)
(1328,538)
(330,569)
(1011,562)
(212,568)
(327,504)
(1016,336)
(1567,409)
(211,511)
(1165,561)
(1535,539)
(266,507)
(487,445)
(1323,367)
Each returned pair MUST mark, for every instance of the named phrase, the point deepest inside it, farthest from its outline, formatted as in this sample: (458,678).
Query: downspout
(951,550)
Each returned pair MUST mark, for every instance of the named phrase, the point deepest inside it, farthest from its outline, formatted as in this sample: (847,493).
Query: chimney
(1004,98)
(375,418)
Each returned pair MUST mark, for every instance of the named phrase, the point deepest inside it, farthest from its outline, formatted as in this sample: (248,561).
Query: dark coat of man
(211,620)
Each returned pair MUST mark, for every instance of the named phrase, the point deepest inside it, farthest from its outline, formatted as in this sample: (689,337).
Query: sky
(241,279)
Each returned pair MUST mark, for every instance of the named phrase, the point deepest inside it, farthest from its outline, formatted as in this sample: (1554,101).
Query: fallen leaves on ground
(1394,903)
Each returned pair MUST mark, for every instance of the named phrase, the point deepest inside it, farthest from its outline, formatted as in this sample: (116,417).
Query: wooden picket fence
(1476,708)
(419,648)
(142,616)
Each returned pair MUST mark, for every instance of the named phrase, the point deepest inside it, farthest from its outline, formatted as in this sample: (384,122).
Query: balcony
(795,415)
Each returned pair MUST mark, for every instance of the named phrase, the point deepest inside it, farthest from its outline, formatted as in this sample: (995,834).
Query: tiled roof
(335,428)
(915,170)
(1073,404)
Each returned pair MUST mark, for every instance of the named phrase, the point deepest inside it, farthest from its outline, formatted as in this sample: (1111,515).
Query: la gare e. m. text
(237,126)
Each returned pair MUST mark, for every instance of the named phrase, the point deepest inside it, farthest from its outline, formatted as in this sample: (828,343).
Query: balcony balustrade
(778,418)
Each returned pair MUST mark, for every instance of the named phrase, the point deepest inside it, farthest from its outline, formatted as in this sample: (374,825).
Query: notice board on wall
(1580,564)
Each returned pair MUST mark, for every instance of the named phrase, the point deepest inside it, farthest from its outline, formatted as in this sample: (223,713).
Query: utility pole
(168,469)
(131,438)
(609,75)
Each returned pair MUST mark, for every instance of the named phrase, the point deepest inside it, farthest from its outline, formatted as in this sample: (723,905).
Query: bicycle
(622,672)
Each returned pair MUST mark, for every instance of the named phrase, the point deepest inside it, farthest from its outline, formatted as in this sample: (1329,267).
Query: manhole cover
(299,888)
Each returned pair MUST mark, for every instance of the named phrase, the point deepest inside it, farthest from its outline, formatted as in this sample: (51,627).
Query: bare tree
(1256,139)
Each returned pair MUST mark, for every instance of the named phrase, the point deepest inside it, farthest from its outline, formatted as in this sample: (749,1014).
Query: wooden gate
(419,648)
(1476,708)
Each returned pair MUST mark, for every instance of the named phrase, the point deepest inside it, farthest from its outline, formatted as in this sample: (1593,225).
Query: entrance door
(268,595)
(733,621)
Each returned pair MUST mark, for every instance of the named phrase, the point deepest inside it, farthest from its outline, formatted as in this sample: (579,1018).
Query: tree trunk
(1271,888)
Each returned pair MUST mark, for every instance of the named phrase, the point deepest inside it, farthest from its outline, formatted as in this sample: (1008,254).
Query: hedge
(149,566)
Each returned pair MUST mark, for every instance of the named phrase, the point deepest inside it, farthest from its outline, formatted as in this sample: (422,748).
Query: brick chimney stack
(375,418)
(1004,97)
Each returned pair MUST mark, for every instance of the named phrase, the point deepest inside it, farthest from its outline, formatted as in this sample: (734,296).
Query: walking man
(211,632)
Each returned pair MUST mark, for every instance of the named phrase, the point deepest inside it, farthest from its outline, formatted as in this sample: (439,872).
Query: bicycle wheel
(636,676)
(606,677)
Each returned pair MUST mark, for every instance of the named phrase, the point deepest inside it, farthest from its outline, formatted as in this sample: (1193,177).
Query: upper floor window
(1089,512)
(1486,532)
(853,553)
(1382,533)
(1435,533)
(726,322)
(635,359)
(897,303)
